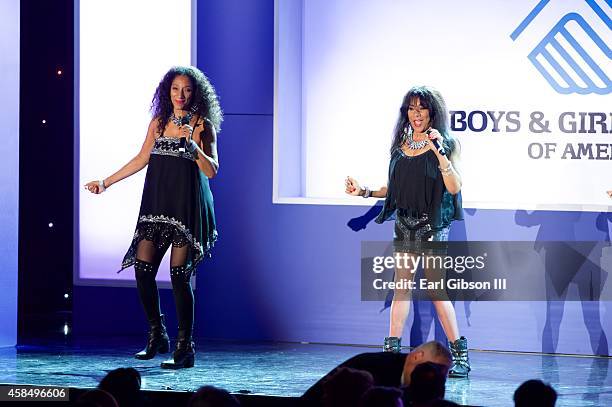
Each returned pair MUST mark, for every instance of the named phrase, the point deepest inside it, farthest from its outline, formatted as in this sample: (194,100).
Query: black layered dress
(177,205)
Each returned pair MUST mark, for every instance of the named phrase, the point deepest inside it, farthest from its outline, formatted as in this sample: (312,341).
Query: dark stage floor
(287,369)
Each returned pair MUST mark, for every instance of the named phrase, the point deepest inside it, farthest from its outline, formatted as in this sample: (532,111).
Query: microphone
(436,144)
(183,141)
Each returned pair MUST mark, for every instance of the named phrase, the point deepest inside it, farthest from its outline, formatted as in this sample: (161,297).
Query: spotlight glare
(44,121)
(66,329)
(50,224)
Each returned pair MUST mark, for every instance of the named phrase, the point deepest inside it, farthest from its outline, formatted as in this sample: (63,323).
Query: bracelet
(367,193)
(192,146)
(102,186)
(448,170)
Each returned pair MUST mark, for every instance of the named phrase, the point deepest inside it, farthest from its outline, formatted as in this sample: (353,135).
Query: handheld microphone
(183,141)
(436,144)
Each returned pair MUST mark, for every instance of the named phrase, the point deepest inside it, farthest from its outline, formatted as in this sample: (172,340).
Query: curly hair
(204,97)
(432,100)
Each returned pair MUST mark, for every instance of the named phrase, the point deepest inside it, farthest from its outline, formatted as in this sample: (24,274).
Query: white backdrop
(359,57)
(125,48)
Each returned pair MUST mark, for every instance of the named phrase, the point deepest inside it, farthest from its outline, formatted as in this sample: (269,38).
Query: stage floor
(288,369)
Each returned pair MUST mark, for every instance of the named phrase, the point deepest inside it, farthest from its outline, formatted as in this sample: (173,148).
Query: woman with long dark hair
(176,210)
(423,191)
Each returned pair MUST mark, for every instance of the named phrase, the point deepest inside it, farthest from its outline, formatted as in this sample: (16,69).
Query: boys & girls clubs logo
(573,57)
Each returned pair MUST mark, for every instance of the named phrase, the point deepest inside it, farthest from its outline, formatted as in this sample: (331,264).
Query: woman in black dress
(423,191)
(177,205)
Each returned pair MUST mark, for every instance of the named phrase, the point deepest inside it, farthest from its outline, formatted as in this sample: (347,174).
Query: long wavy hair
(432,100)
(204,98)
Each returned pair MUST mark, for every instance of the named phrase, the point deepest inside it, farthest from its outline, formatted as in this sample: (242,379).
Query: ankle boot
(184,354)
(461,361)
(158,341)
(392,344)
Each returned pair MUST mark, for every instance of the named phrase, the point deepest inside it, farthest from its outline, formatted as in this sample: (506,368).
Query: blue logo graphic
(571,61)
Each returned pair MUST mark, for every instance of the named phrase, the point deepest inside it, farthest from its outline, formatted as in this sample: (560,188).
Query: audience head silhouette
(380,396)
(534,393)
(96,398)
(427,383)
(211,396)
(124,385)
(432,351)
(345,387)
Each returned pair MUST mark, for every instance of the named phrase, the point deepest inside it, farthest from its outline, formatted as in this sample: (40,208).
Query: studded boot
(158,341)
(392,344)
(184,354)
(461,361)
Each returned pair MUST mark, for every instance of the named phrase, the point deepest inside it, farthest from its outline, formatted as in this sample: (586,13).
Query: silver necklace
(413,145)
(180,121)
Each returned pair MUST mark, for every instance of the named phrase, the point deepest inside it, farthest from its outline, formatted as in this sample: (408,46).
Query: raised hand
(352,186)
(95,187)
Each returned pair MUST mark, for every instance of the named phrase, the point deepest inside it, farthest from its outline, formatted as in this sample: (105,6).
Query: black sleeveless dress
(177,205)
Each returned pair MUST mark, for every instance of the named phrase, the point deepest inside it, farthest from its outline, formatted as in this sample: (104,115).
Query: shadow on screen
(565,266)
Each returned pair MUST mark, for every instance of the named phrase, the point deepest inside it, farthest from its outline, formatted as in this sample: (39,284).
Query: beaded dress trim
(170,146)
(201,251)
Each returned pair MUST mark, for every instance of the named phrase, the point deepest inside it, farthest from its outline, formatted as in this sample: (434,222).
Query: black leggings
(148,259)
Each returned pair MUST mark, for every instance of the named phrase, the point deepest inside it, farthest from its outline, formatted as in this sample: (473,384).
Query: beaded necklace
(181,121)
(413,145)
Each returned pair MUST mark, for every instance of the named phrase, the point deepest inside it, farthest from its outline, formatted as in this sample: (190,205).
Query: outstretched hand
(352,186)
(94,187)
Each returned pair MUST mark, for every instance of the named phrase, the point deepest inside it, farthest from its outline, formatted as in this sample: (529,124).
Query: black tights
(148,258)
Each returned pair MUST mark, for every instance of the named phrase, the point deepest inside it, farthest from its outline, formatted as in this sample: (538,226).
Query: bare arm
(205,137)
(449,166)
(139,161)
(380,193)
(133,166)
(353,188)
(452,179)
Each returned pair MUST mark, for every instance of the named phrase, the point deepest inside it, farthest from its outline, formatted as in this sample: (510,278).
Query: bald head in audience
(432,351)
